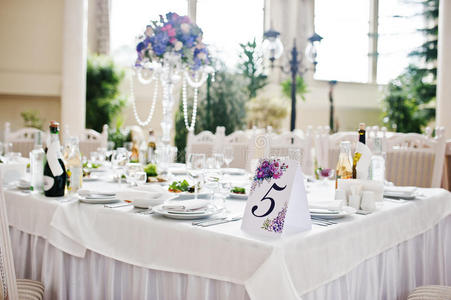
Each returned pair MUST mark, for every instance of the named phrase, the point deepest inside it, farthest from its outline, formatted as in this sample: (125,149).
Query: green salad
(181,186)
(151,170)
(91,165)
(238,190)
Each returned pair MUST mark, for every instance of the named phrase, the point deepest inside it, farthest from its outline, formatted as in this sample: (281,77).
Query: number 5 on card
(277,201)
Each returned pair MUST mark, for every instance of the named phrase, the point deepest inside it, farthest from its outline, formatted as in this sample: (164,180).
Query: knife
(217,222)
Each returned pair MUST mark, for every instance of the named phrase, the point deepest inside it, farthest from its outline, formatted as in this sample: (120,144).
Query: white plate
(185,216)
(238,196)
(91,178)
(99,169)
(186,195)
(106,200)
(346,211)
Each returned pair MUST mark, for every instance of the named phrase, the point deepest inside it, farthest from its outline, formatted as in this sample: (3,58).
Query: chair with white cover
(431,292)
(23,139)
(244,149)
(205,142)
(10,287)
(91,140)
(279,145)
(321,144)
(416,159)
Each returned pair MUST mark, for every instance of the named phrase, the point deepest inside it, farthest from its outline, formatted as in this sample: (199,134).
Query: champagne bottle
(357,155)
(54,169)
(362,133)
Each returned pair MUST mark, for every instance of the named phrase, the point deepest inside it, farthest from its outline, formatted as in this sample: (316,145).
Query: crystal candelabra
(169,71)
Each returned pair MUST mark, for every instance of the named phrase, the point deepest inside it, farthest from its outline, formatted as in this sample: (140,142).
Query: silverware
(319,223)
(207,220)
(325,221)
(145,212)
(217,222)
(116,205)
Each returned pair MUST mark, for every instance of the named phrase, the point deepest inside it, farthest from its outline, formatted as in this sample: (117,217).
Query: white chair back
(416,159)
(23,139)
(244,149)
(205,142)
(8,285)
(321,142)
(279,145)
(90,140)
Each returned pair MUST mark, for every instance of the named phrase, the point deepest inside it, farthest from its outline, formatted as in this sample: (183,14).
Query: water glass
(228,155)
(195,167)
(219,160)
(119,160)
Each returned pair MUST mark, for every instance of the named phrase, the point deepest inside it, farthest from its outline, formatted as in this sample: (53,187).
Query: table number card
(277,200)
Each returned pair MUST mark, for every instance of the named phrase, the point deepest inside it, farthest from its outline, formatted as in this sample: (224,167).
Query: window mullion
(372,40)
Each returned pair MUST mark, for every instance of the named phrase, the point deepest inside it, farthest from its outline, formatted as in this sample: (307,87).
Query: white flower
(178,46)
(202,56)
(185,27)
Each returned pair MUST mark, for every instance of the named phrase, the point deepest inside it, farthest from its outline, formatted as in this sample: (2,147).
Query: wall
(30,58)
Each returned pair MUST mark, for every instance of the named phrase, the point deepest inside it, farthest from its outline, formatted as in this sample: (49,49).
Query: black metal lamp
(273,49)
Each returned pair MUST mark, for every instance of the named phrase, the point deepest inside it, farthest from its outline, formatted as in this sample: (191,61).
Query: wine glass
(131,171)
(195,167)
(119,160)
(228,155)
(219,160)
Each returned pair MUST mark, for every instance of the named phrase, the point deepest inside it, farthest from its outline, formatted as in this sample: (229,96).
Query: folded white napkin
(86,192)
(185,205)
(335,205)
(145,196)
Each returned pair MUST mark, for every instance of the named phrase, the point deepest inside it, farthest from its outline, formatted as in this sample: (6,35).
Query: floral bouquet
(176,34)
(267,169)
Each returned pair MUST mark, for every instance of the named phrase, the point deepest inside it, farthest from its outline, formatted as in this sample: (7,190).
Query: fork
(324,221)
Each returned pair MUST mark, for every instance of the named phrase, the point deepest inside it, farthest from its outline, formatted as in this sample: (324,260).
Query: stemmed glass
(119,160)
(135,174)
(195,167)
(218,160)
(228,155)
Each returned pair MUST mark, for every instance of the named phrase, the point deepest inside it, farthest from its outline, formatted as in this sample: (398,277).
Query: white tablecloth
(285,269)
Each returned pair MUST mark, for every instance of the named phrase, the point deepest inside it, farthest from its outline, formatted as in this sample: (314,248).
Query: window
(343,53)
(346,52)
(398,35)
(224,25)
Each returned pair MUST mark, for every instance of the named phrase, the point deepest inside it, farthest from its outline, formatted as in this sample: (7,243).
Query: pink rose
(171,32)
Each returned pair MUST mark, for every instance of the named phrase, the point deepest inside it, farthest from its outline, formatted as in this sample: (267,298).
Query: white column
(73,94)
(443,113)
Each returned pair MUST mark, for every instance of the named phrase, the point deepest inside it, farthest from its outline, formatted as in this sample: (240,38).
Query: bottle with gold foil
(134,158)
(344,165)
(357,155)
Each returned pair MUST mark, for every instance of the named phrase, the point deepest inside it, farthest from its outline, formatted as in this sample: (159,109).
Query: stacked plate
(98,198)
(332,214)
(177,211)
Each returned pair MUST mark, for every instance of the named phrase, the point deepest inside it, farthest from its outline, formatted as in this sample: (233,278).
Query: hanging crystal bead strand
(154,101)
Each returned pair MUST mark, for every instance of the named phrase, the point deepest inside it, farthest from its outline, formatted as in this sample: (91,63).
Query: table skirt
(425,259)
